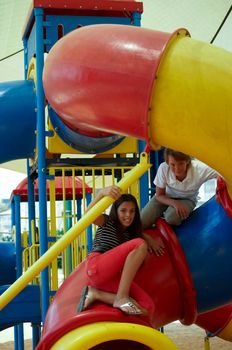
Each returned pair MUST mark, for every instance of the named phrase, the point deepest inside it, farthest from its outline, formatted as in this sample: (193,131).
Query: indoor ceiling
(204,20)
(201,18)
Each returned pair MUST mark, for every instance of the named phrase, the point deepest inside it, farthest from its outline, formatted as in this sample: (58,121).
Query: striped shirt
(106,237)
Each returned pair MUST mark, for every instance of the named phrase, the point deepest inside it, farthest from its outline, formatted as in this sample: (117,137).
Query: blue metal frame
(31,204)
(144,181)
(41,155)
(36,45)
(18,330)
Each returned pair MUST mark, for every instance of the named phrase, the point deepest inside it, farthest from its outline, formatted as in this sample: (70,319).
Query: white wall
(201,17)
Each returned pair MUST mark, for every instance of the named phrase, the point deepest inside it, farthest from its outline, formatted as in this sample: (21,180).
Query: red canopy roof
(22,189)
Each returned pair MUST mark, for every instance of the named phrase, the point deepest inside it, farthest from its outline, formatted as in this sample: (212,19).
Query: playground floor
(187,338)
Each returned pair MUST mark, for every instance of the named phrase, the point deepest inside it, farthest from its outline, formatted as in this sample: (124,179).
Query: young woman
(118,252)
(177,182)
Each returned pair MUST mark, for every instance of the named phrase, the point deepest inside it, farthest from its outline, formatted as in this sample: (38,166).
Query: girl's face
(126,213)
(178,167)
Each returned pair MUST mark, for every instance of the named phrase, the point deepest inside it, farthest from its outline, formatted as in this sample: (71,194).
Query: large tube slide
(182,285)
(169,90)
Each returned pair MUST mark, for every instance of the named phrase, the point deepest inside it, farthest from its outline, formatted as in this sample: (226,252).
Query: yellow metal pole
(64,241)
(206,343)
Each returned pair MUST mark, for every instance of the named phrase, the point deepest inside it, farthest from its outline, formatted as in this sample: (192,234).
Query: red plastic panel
(214,321)
(22,189)
(223,197)
(118,5)
(157,278)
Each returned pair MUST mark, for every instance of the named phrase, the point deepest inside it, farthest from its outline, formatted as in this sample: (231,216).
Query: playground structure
(68,191)
(122,85)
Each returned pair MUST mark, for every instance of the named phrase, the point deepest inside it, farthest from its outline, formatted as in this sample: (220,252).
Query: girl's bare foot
(129,306)
(87,298)
(145,312)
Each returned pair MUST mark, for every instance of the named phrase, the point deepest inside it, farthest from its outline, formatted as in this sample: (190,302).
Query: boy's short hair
(176,155)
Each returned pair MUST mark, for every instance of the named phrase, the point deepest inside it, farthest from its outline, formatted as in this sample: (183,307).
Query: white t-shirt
(197,174)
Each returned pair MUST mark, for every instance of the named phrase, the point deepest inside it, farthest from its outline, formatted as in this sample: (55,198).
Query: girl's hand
(113,191)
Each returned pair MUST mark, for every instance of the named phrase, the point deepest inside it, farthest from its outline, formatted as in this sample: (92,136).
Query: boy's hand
(181,209)
(155,245)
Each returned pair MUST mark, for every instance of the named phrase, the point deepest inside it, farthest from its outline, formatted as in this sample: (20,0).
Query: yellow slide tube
(76,230)
(88,336)
(191,104)
(226,332)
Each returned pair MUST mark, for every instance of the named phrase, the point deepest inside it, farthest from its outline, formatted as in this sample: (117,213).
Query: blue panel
(69,23)
(206,238)
(17,120)
(25,307)
(7,263)
(80,142)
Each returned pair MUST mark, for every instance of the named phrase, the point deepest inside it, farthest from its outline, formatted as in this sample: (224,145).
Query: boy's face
(178,167)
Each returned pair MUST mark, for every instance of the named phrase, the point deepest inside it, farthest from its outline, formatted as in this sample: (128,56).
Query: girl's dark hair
(135,229)
(176,155)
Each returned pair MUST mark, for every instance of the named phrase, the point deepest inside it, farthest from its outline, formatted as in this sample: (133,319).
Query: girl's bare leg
(98,295)
(133,262)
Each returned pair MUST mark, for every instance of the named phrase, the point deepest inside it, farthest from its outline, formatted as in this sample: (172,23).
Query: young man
(177,182)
